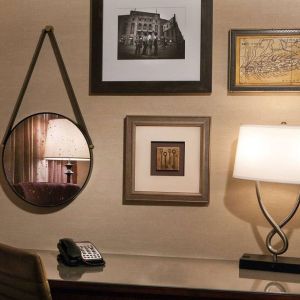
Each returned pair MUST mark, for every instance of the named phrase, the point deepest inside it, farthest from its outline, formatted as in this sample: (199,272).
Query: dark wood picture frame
(173,166)
(98,86)
(131,196)
(268,63)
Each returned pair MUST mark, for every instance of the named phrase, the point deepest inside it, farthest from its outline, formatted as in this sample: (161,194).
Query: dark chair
(46,193)
(22,276)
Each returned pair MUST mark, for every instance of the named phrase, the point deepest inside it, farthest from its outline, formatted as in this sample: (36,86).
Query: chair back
(22,275)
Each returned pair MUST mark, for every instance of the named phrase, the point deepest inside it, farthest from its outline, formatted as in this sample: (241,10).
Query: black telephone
(78,253)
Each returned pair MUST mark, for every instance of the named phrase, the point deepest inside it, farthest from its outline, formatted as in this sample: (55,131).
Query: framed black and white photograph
(147,34)
(166,160)
(150,46)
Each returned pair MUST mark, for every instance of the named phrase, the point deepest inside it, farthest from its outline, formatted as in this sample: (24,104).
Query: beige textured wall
(229,226)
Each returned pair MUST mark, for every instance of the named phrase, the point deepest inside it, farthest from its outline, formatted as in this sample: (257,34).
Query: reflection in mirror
(46,159)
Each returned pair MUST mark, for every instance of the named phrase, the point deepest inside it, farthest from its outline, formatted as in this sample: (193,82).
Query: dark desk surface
(169,272)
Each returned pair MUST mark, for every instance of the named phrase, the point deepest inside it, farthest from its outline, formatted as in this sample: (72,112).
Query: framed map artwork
(264,60)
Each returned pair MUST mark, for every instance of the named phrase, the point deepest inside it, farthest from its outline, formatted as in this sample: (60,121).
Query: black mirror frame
(69,200)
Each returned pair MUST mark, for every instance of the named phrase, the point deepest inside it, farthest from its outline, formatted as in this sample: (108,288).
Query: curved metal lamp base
(273,263)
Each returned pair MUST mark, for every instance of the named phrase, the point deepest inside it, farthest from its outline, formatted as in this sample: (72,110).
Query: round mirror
(46,159)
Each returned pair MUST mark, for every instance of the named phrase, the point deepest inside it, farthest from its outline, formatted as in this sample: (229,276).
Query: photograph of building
(148,35)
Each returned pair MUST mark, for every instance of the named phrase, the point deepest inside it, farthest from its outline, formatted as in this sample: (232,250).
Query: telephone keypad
(88,251)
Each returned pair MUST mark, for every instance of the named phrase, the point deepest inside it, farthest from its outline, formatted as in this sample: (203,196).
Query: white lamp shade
(268,153)
(65,141)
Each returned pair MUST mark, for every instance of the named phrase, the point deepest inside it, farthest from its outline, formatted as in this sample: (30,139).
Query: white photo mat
(187,69)
(190,182)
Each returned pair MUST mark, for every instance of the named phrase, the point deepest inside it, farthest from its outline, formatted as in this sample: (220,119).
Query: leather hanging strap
(48,30)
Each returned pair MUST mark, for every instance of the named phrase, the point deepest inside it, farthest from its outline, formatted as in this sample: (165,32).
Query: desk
(146,277)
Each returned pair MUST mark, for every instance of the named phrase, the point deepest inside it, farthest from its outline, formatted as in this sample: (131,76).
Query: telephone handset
(78,253)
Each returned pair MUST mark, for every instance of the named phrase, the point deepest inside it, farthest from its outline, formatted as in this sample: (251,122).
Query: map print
(268,60)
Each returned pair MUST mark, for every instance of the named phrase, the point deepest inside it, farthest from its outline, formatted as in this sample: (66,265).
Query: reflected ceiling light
(65,141)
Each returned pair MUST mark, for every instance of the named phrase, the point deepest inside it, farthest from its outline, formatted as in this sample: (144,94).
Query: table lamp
(64,141)
(270,154)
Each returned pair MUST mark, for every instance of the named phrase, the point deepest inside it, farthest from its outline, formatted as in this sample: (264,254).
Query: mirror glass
(46,159)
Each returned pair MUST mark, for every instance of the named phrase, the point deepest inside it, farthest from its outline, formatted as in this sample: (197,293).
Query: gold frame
(266,63)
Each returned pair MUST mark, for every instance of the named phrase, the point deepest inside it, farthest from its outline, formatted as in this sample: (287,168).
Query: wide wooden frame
(272,59)
(131,196)
(98,86)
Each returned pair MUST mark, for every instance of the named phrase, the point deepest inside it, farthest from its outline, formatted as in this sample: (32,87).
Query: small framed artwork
(264,60)
(166,160)
(146,46)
